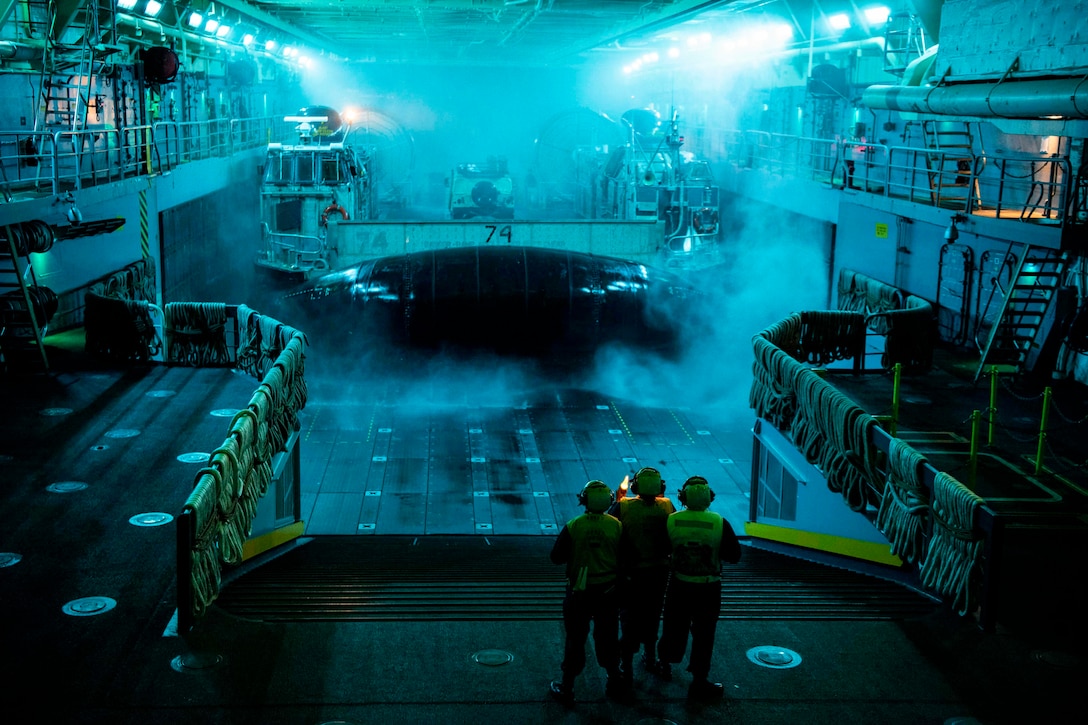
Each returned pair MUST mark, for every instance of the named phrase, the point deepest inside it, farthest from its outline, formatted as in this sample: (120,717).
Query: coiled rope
(197,333)
(227,492)
(829,336)
(905,504)
(954,549)
(204,570)
(117,315)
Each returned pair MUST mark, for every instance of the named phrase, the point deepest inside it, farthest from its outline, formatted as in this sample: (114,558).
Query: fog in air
(423,122)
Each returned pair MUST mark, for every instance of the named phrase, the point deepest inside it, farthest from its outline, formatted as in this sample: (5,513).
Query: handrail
(1026,187)
(792,397)
(218,515)
(56,161)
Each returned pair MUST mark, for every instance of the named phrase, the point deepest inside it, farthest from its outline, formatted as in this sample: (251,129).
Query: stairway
(1014,334)
(952,165)
(464,578)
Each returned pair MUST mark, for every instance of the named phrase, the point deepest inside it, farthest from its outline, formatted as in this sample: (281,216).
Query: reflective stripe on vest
(696,538)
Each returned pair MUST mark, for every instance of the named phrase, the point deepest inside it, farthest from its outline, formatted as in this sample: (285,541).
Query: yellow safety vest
(596,545)
(644,525)
(696,538)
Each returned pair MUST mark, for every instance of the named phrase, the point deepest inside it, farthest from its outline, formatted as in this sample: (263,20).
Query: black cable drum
(510,300)
(34,236)
(13,309)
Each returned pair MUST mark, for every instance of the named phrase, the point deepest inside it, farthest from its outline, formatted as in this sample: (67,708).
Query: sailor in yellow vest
(589,545)
(701,540)
(645,547)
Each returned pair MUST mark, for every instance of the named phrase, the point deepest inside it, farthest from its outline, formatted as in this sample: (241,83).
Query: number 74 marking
(504,232)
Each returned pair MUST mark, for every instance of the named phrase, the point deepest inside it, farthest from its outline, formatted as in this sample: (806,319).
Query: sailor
(701,540)
(589,546)
(645,547)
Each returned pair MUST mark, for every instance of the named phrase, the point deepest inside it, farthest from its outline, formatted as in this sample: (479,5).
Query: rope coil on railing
(204,571)
(225,499)
(836,436)
(117,315)
(954,550)
(197,333)
(905,504)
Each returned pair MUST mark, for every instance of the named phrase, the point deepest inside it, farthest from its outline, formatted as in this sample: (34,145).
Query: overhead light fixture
(195,19)
(877,15)
(223,31)
(211,26)
(152,8)
(952,233)
(126,4)
(839,21)
(269,45)
(782,32)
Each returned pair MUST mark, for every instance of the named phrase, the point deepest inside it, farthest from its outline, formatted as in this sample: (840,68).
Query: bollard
(1042,432)
(972,463)
(895,398)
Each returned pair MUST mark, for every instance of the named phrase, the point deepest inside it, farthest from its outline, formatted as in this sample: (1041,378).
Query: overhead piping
(1028,99)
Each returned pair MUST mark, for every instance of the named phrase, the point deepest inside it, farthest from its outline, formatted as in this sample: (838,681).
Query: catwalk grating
(511,578)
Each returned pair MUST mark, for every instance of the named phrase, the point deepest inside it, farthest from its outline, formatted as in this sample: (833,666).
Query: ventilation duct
(1029,99)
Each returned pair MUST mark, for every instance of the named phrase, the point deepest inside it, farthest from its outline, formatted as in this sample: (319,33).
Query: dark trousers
(598,606)
(690,608)
(643,595)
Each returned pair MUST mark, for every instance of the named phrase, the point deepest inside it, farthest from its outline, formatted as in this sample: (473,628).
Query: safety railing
(853,452)
(1029,187)
(1025,187)
(86,158)
(794,156)
(301,252)
(26,162)
(181,142)
(219,514)
(53,162)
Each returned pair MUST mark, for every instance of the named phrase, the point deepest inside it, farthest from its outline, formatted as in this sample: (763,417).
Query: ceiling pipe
(20,51)
(1029,99)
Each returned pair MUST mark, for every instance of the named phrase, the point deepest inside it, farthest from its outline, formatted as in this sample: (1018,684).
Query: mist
(771,266)
(776,267)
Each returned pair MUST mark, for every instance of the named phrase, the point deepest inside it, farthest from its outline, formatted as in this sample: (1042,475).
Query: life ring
(705,221)
(329,210)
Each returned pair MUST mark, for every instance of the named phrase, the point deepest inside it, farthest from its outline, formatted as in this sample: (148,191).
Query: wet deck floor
(435,463)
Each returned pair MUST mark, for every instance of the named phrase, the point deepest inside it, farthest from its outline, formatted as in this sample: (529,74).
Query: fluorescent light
(195,19)
(782,32)
(877,15)
(211,26)
(839,21)
(126,4)
(223,31)
(152,8)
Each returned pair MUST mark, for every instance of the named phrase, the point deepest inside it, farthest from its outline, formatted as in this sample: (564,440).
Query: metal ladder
(19,328)
(1035,281)
(951,164)
(904,42)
